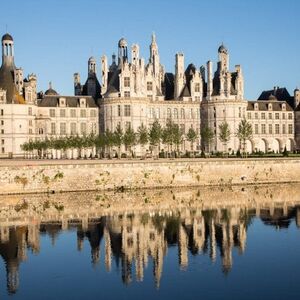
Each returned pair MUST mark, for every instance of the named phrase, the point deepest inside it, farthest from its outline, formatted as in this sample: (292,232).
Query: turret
(8,51)
(18,77)
(296,97)
(209,79)
(135,53)
(92,65)
(239,82)
(223,58)
(77,85)
(104,71)
(123,52)
(179,74)
(154,56)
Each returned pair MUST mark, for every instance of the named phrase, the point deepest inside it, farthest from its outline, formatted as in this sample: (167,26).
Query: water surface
(241,243)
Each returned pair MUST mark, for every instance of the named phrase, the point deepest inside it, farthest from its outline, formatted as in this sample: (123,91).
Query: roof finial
(50,85)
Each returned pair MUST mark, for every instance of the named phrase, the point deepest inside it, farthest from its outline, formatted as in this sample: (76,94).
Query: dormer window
(82,102)
(270,106)
(283,107)
(255,106)
(62,102)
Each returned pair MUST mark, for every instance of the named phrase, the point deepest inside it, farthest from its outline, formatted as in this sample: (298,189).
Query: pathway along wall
(81,176)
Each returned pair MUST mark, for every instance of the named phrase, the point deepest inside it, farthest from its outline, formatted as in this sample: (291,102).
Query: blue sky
(55,38)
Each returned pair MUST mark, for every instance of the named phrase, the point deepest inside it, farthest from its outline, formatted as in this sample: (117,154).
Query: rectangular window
(2,131)
(276,128)
(126,94)
(30,122)
(2,142)
(290,129)
(93,113)
(276,116)
(256,129)
(127,110)
(175,113)
(283,129)
(53,128)
(119,110)
(249,115)
(169,113)
(2,112)
(270,116)
(83,128)
(73,113)
(126,81)
(83,113)
(263,116)
(127,125)
(192,114)
(62,113)
(182,113)
(52,113)
(182,128)
(30,130)
(283,116)
(30,111)
(290,116)
(149,86)
(63,128)
(270,128)
(263,128)
(240,112)
(256,115)
(197,87)
(73,129)
(2,150)
(2,122)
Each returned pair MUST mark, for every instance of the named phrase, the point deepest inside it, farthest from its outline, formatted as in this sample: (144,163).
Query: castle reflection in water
(132,239)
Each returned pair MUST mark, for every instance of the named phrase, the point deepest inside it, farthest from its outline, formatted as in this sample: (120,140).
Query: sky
(54,39)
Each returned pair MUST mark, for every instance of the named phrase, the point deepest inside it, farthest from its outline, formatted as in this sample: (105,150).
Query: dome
(7,37)
(51,91)
(272,97)
(122,43)
(222,49)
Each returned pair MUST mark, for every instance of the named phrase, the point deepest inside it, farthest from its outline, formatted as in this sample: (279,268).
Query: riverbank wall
(18,177)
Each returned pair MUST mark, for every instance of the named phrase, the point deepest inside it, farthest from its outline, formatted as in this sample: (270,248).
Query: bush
(123,155)
(285,153)
(238,153)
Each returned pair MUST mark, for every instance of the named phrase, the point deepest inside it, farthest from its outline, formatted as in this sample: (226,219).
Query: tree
(109,141)
(191,137)
(224,134)
(176,136)
(118,138)
(207,135)
(155,134)
(129,138)
(100,143)
(142,134)
(167,135)
(244,133)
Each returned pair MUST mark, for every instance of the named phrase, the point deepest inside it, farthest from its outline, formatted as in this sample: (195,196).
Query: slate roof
(281,94)
(7,82)
(263,105)
(71,101)
(7,37)
(92,78)
(169,86)
(113,82)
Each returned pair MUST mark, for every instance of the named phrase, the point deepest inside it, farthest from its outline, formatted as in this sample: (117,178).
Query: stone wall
(119,175)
